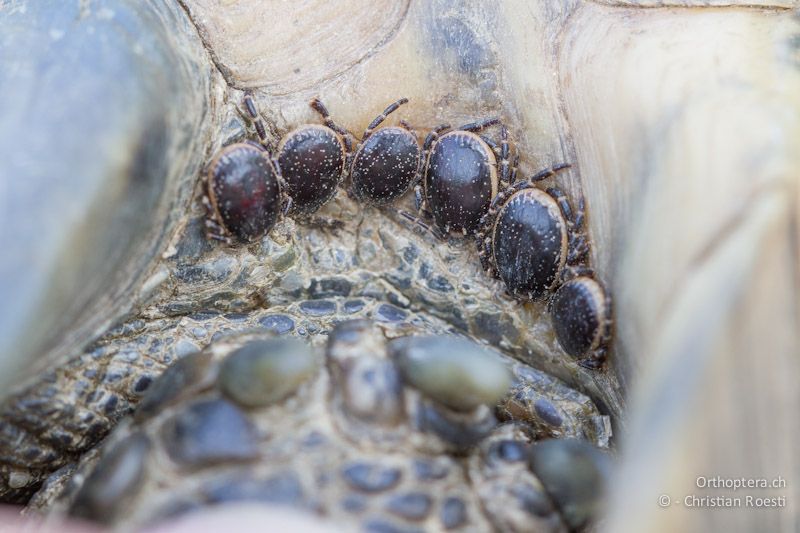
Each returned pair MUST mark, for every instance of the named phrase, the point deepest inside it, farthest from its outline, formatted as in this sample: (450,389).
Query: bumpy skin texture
(460,181)
(362,446)
(297,280)
(244,191)
(312,160)
(385,166)
(529,243)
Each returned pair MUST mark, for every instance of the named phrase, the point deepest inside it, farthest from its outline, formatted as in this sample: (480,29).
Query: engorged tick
(386,162)
(581,313)
(244,194)
(460,177)
(529,235)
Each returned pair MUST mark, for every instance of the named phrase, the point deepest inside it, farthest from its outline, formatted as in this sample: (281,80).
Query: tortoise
(577,82)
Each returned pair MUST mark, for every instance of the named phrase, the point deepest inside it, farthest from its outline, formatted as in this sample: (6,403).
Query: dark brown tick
(532,240)
(386,162)
(529,235)
(244,193)
(312,158)
(581,315)
(461,176)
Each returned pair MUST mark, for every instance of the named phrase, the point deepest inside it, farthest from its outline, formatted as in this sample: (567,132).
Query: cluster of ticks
(464,183)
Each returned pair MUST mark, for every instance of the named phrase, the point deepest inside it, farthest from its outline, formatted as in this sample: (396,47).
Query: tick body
(581,315)
(529,235)
(460,181)
(460,176)
(312,160)
(385,166)
(244,193)
(529,243)
(386,162)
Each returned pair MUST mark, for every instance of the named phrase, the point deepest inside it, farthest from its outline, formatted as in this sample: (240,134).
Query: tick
(244,193)
(386,162)
(528,236)
(581,314)
(460,177)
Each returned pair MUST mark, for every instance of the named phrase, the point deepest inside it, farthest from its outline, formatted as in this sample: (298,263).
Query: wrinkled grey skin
(360,439)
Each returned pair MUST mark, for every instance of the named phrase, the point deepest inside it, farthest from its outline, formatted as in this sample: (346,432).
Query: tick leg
(216,232)
(429,140)
(574,271)
(483,242)
(505,164)
(214,229)
(594,361)
(484,246)
(508,191)
(380,118)
(493,145)
(325,223)
(408,127)
(578,248)
(563,203)
(286,200)
(426,149)
(609,325)
(580,213)
(287,205)
(255,118)
(419,199)
(207,204)
(348,164)
(502,152)
(351,193)
(514,166)
(317,105)
(433,230)
(544,174)
(348,143)
(480,125)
